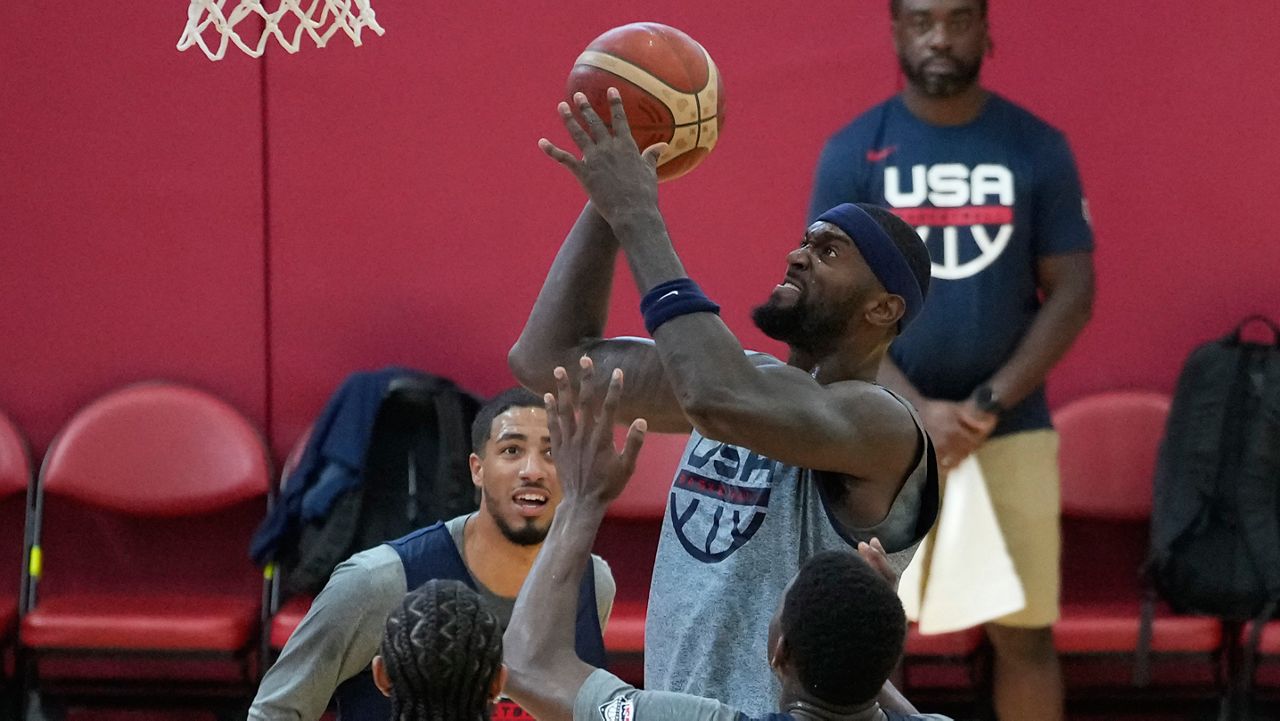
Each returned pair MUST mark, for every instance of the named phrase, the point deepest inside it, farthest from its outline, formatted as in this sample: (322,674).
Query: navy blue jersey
(431,553)
(989,198)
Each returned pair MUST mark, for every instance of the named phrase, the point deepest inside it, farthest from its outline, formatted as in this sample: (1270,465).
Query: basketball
(669,85)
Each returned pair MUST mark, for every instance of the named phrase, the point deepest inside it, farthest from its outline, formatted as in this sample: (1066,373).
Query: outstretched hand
(615,173)
(589,465)
(873,553)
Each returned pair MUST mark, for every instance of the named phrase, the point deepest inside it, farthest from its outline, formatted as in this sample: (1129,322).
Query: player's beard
(945,85)
(526,534)
(802,326)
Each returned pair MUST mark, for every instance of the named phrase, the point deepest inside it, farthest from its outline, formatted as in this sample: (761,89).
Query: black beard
(527,535)
(798,326)
(942,86)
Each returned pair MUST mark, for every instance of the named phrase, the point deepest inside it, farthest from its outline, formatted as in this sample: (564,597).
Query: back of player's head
(907,241)
(442,650)
(482,426)
(843,627)
(895,7)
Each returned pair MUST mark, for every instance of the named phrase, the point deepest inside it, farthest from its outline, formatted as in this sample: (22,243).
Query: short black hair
(844,628)
(895,6)
(908,242)
(482,426)
(442,649)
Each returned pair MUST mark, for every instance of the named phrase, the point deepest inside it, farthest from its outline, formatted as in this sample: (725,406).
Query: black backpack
(415,474)
(1215,519)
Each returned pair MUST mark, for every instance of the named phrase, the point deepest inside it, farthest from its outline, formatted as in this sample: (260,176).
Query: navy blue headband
(882,255)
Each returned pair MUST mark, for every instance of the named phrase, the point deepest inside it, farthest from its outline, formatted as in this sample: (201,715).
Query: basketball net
(321,19)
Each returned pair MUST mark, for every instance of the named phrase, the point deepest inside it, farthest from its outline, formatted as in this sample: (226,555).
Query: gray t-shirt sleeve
(606,589)
(336,640)
(605,697)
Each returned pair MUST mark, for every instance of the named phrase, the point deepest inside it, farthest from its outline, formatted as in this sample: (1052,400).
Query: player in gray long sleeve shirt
(339,636)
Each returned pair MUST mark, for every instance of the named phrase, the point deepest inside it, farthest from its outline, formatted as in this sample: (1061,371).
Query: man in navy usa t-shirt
(995,194)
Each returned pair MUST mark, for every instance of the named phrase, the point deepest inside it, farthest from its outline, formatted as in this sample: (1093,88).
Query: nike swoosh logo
(875,156)
(668,295)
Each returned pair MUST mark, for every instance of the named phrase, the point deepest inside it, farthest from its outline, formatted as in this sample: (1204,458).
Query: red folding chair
(144,508)
(15,481)
(1108,450)
(286,613)
(629,542)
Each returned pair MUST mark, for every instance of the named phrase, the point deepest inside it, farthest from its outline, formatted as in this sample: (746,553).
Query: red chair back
(295,456)
(155,486)
(15,460)
(15,480)
(157,449)
(645,496)
(1108,452)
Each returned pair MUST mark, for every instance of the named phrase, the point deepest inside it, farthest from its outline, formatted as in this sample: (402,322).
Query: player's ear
(886,310)
(380,677)
(779,655)
(477,478)
(499,680)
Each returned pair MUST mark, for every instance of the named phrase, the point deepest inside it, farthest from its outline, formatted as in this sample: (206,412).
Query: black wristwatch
(987,401)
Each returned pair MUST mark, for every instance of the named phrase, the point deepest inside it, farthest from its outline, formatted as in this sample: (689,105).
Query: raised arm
(567,321)
(780,411)
(544,672)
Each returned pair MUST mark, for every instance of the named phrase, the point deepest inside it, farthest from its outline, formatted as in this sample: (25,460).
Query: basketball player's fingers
(621,126)
(609,409)
(631,446)
(564,403)
(875,557)
(576,131)
(567,159)
(653,152)
(553,420)
(595,126)
(586,394)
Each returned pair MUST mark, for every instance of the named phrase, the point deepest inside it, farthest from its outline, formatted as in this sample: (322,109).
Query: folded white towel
(961,575)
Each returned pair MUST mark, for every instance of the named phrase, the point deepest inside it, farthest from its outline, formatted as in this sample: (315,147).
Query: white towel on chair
(970,578)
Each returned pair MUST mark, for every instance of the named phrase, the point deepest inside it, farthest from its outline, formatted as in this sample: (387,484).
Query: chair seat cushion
(1112,627)
(959,644)
(287,619)
(141,623)
(625,632)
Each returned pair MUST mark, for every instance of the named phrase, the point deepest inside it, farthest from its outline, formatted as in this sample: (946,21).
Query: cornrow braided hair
(442,649)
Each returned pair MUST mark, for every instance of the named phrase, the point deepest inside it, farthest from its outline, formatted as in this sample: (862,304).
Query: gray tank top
(738,528)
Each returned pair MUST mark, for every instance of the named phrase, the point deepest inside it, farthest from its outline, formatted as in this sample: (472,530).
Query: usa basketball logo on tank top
(719,498)
(966,212)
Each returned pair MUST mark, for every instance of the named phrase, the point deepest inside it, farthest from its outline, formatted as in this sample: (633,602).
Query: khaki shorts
(1021,470)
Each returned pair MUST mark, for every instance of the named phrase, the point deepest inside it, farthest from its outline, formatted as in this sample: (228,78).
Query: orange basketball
(669,85)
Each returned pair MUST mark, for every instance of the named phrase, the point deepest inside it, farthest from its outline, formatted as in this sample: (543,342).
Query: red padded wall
(421,216)
(1171,114)
(427,217)
(130,211)
(412,217)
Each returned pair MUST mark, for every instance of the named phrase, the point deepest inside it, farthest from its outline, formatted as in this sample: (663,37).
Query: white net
(319,19)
